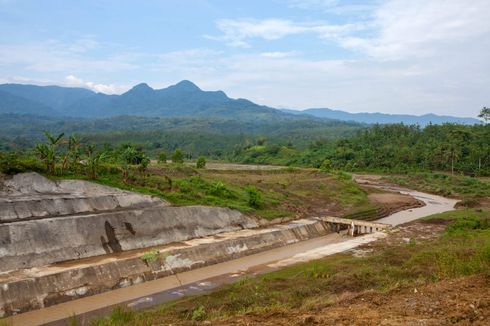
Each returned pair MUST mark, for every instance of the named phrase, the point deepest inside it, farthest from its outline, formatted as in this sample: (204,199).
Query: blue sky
(360,56)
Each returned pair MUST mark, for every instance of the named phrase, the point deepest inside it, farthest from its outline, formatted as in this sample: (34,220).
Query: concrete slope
(43,222)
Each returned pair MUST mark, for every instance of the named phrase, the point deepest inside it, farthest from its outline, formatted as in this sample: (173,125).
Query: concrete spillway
(43,221)
(183,239)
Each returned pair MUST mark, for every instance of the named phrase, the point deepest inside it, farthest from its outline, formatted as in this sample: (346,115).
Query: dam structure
(69,239)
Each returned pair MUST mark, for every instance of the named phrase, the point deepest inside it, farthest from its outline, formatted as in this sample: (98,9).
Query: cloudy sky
(411,56)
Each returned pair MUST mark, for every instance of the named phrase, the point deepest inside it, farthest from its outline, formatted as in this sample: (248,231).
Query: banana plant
(47,152)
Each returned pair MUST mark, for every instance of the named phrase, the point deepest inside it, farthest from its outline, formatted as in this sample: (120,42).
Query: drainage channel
(196,281)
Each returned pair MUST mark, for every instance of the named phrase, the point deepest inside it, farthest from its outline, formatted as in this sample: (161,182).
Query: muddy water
(433,205)
(170,288)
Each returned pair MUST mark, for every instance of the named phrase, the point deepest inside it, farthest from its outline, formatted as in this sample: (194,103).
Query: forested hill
(389,148)
(184,99)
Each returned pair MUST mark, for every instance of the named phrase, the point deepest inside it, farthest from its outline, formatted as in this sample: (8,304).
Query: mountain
(383,118)
(10,103)
(55,97)
(183,99)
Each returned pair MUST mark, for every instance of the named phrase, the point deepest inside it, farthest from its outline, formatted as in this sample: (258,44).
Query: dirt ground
(463,301)
(394,202)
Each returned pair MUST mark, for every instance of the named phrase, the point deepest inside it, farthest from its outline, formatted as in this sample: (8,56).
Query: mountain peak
(186,85)
(141,86)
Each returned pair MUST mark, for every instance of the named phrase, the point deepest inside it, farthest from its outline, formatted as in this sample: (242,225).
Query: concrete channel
(295,242)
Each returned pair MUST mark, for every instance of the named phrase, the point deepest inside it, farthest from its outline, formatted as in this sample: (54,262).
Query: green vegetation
(389,148)
(201,162)
(462,250)
(485,114)
(270,194)
(178,156)
(150,256)
(470,190)
(162,157)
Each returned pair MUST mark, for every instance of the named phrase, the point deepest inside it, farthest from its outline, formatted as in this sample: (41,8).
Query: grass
(270,194)
(463,249)
(467,188)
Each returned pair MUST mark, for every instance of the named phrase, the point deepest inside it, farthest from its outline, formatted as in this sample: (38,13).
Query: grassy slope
(472,191)
(462,250)
(284,193)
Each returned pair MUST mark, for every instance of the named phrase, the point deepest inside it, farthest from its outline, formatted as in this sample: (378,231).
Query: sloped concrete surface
(30,196)
(43,221)
(35,288)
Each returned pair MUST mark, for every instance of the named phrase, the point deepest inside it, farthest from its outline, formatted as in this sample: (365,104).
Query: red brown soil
(464,301)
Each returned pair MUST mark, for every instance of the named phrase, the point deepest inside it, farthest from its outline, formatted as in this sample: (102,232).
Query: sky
(391,56)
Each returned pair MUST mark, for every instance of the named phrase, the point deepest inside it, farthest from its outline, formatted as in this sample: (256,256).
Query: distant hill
(184,99)
(383,118)
(55,97)
(10,103)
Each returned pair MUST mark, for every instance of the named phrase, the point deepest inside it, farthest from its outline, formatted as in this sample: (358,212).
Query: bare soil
(462,301)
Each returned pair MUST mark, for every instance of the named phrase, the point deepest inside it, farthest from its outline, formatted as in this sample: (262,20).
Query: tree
(132,156)
(201,162)
(485,114)
(72,155)
(162,157)
(326,165)
(178,156)
(93,160)
(47,152)
(261,141)
(143,166)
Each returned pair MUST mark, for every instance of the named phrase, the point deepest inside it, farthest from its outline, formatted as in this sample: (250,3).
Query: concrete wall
(44,241)
(44,221)
(31,196)
(20,294)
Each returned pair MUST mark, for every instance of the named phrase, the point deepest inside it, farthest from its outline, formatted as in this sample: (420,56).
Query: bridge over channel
(353,227)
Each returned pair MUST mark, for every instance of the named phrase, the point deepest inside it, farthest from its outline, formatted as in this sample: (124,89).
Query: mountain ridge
(184,99)
(382,118)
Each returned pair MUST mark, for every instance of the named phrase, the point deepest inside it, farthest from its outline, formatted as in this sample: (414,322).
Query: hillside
(383,118)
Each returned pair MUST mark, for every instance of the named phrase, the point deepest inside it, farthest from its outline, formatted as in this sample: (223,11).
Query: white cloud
(74,81)
(238,32)
(423,28)
(279,54)
(56,56)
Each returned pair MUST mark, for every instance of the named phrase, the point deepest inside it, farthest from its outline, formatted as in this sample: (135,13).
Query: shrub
(468,223)
(150,256)
(178,156)
(254,197)
(219,189)
(132,155)
(11,163)
(326,165)
(201,162)
(162,157)
(198,314)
